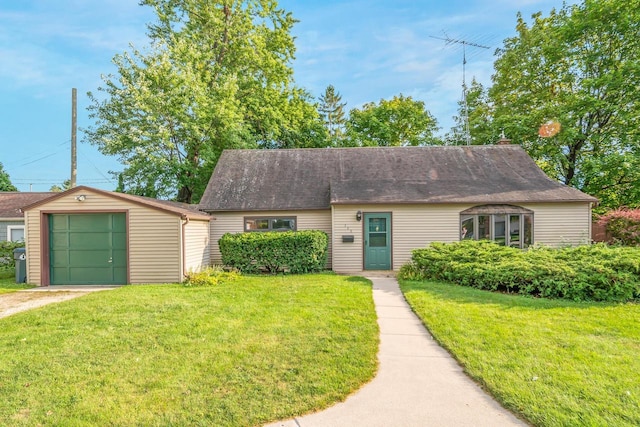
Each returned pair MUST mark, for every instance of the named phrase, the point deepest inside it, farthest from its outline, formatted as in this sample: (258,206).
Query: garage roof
(183,210)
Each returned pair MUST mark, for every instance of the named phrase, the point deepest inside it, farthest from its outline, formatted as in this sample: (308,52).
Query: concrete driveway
(15,302)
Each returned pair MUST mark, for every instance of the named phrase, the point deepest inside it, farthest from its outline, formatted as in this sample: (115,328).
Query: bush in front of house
(623,225)
(210,276)
(585,273)
(289,251)
(6,254)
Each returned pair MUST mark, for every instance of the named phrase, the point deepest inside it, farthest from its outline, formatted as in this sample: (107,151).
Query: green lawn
(8,282)
(244,353)
(557,363)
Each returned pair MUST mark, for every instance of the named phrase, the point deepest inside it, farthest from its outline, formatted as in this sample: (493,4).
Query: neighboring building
(86,236)
(377,204)
(11,215)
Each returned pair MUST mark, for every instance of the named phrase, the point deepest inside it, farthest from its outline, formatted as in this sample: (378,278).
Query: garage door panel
(61,259)
(90,240)
(119,223)
(119,257)
(89,222)
(91,275)
(90,258)
(59,240)
(61,274)
(58,222)
(120,275)
(120,240)
(88,248)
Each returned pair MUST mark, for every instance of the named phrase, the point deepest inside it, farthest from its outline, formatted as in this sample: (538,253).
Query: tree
(66,184)
(5,181)
(216,75)
(399,121)
(331,109)
(579,67)
(480,113)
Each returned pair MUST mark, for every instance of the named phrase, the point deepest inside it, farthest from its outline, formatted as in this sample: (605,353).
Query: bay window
(505,224)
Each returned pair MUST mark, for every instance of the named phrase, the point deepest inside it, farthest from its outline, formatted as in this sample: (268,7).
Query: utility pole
(74,125)
(464,43)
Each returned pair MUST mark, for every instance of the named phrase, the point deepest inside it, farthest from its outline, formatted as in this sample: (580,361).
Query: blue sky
(369,50)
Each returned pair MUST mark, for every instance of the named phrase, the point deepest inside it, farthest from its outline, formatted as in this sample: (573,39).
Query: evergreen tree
(332,111)
(66,185)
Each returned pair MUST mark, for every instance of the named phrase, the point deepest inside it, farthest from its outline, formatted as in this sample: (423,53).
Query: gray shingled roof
(251,180)
(11,202)
(181,209)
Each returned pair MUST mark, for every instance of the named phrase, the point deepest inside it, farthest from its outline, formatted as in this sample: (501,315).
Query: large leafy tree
(396,122)
(480,116)
(217,75)
(578,67)
(5,181)
(331,109)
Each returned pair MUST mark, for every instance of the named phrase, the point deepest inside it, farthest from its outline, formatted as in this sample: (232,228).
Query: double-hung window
(505,224)
(270,223)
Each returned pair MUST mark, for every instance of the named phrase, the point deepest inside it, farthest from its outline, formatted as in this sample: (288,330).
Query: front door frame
(365,236)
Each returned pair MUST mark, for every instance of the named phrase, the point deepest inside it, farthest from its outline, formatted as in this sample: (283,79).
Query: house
(377,204)
(11,215)
(87,236)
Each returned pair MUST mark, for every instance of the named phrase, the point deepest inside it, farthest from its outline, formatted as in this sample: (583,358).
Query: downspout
(184,247)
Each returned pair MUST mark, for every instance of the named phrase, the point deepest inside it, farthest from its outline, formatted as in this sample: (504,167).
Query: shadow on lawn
(465,294)
(359,279)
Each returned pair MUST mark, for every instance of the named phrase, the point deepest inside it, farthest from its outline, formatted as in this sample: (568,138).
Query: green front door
(88,249)
(377,241)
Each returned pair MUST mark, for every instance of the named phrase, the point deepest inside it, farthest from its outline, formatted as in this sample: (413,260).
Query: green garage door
(88,249)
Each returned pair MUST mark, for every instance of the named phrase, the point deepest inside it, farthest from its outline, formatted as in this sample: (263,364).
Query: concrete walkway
(418,383)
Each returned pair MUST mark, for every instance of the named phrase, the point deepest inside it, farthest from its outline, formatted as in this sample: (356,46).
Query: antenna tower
(465,112)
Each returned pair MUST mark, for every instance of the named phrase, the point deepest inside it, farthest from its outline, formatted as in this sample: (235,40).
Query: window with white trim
(15,233)
(270,223)
(505,224)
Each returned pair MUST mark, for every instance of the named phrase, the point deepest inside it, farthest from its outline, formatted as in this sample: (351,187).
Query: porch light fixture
(81,198)
(359,216)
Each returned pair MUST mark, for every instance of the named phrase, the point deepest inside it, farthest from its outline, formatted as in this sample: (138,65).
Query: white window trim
(10,228)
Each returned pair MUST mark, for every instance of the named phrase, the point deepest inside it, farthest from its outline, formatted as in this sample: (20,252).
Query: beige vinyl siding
(196,243)
(558,224)
(154,246)
(347,257)
(32,246)
(233,222)
(416,226)
(154,249)
(412,226)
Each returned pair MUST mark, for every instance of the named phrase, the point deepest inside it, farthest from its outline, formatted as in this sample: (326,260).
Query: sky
(367,49)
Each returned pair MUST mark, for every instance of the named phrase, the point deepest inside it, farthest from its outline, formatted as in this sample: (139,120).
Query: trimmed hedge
(585,273)
(289,251)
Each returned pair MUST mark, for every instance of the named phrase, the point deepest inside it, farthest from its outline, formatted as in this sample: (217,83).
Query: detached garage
(86,236)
